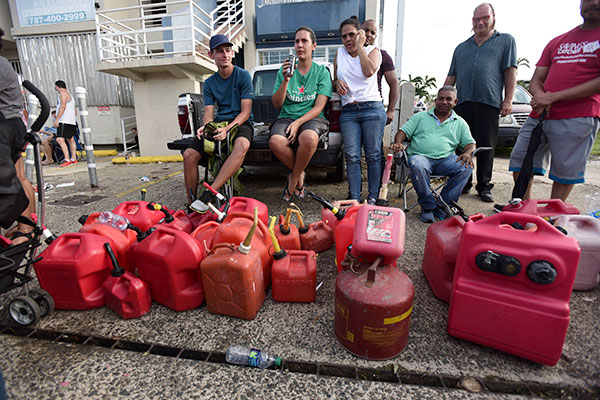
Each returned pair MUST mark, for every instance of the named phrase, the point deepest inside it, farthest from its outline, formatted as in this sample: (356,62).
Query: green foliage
(422,86)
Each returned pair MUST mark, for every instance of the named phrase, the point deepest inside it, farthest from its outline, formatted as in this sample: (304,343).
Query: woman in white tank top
(363,116)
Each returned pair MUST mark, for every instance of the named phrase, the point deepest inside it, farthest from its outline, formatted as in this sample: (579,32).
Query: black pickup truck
(328,156)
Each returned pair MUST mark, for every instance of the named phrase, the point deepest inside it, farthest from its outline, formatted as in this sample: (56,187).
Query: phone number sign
(42,12)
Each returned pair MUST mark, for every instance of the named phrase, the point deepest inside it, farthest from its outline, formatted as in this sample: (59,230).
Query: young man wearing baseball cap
(230,90)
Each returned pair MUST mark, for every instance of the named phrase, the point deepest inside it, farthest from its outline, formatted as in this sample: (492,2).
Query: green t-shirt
(431,139)
(302,90)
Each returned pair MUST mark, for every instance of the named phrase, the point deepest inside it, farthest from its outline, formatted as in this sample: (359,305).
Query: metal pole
(33,110)
(396,123)
(81,95)
(124,137)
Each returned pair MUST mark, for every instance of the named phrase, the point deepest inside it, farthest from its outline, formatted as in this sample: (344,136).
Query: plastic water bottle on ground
(114,220)
(242,355)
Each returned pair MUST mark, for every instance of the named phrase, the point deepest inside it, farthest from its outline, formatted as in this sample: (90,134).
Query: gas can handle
(229,246)
(371,272)
(507,217)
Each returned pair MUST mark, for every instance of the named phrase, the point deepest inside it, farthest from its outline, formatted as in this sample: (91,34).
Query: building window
(278,56)
(153,14)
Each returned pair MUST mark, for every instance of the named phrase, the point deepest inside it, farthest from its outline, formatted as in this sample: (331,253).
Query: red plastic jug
(198,219)
(204,234)
(344,232)
(379,231)
(329,218)
(138,213)
(233,230)
(373,310)
(512,287)
(287,234)
(72,270)
(90,219)
(317,236)
(233,281)
(168,261)
(119,240)
(586,229)
(180,221)
(246,204)
(542,208)
(441,250)
(125,293)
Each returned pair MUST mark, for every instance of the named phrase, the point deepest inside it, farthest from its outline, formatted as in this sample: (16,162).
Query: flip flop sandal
(18,234)
(287,196)
(300,192)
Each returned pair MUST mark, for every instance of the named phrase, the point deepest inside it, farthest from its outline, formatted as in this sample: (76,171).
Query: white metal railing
(126,33)
(127,133)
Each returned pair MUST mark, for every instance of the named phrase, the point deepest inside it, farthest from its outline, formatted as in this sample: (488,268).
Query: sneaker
(440,213)
(466,190)
(486,196)
(372,202)
(427,216)
(74,162)
(65,164)
(499,207)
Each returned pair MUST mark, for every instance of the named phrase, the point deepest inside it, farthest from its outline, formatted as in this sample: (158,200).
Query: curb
(147,159)
(97,153)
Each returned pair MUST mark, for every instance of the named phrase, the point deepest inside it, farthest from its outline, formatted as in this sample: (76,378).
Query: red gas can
(246,204)
(542,208)
(512,287)
(119,240)
(204,234)
(198,219)
(180,222)
(233,230)
(168,261)
(138,213)
(372,312)
(318,236)
(379,231)
(344,232)
(125,293)
(286,233)
(233,281)
(294,275)
(72,270)
(329,218)
(441,250)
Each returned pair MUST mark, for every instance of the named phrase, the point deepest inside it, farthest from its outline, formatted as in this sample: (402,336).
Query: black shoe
(466,190)
(498,207)
(486,195)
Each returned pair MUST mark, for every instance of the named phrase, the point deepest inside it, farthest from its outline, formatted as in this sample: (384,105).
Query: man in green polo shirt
(434,136)
(300,93)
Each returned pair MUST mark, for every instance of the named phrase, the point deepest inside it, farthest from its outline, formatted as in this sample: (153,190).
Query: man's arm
(400,137)
(510,81)
(61,110)
(450,80)
(209,114)
(392,80)
(246,106)
(278,98)
(314,112)
(466,158)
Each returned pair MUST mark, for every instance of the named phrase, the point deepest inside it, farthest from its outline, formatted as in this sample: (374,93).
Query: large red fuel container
(441,250)
(372,311)
(344,232)
(247,204)
(542,208)
(198,219)
(512,287)
(294,276)
(119,240)
(205,234)
(180,222)
(586,229)
(125,293)
(287,233)
(233,230)
(317,236)
(168,261)
(329,218)
(233,281)
(72,270)
(379,231)
(138,213)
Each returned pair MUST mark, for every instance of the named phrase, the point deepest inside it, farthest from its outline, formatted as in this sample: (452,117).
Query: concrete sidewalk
(121,358)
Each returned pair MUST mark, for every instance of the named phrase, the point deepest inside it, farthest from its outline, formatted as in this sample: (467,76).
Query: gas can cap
(541,272)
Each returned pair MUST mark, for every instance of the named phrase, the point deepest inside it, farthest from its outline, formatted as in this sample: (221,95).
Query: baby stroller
(16,260)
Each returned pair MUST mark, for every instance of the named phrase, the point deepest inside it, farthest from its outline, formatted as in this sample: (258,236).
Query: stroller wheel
(24,310)
(44,300)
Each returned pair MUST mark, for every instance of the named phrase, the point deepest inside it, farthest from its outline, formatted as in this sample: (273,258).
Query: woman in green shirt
(301,96)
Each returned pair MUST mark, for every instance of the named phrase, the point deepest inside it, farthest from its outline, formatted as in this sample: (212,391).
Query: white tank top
(361,88)
(68,116)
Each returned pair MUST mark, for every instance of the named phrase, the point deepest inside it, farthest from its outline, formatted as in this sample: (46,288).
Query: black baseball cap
(218,40)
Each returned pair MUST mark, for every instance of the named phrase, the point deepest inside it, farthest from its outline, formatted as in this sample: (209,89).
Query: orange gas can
(287,234)
(317,236)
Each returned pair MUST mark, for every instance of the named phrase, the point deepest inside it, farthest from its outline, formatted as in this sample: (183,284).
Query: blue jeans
(362,126)
(421,168)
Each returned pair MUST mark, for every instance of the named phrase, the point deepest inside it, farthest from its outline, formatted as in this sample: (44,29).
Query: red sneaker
(74,161)
(65,164)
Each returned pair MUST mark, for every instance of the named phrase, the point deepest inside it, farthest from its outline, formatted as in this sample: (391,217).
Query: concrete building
(135,57)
